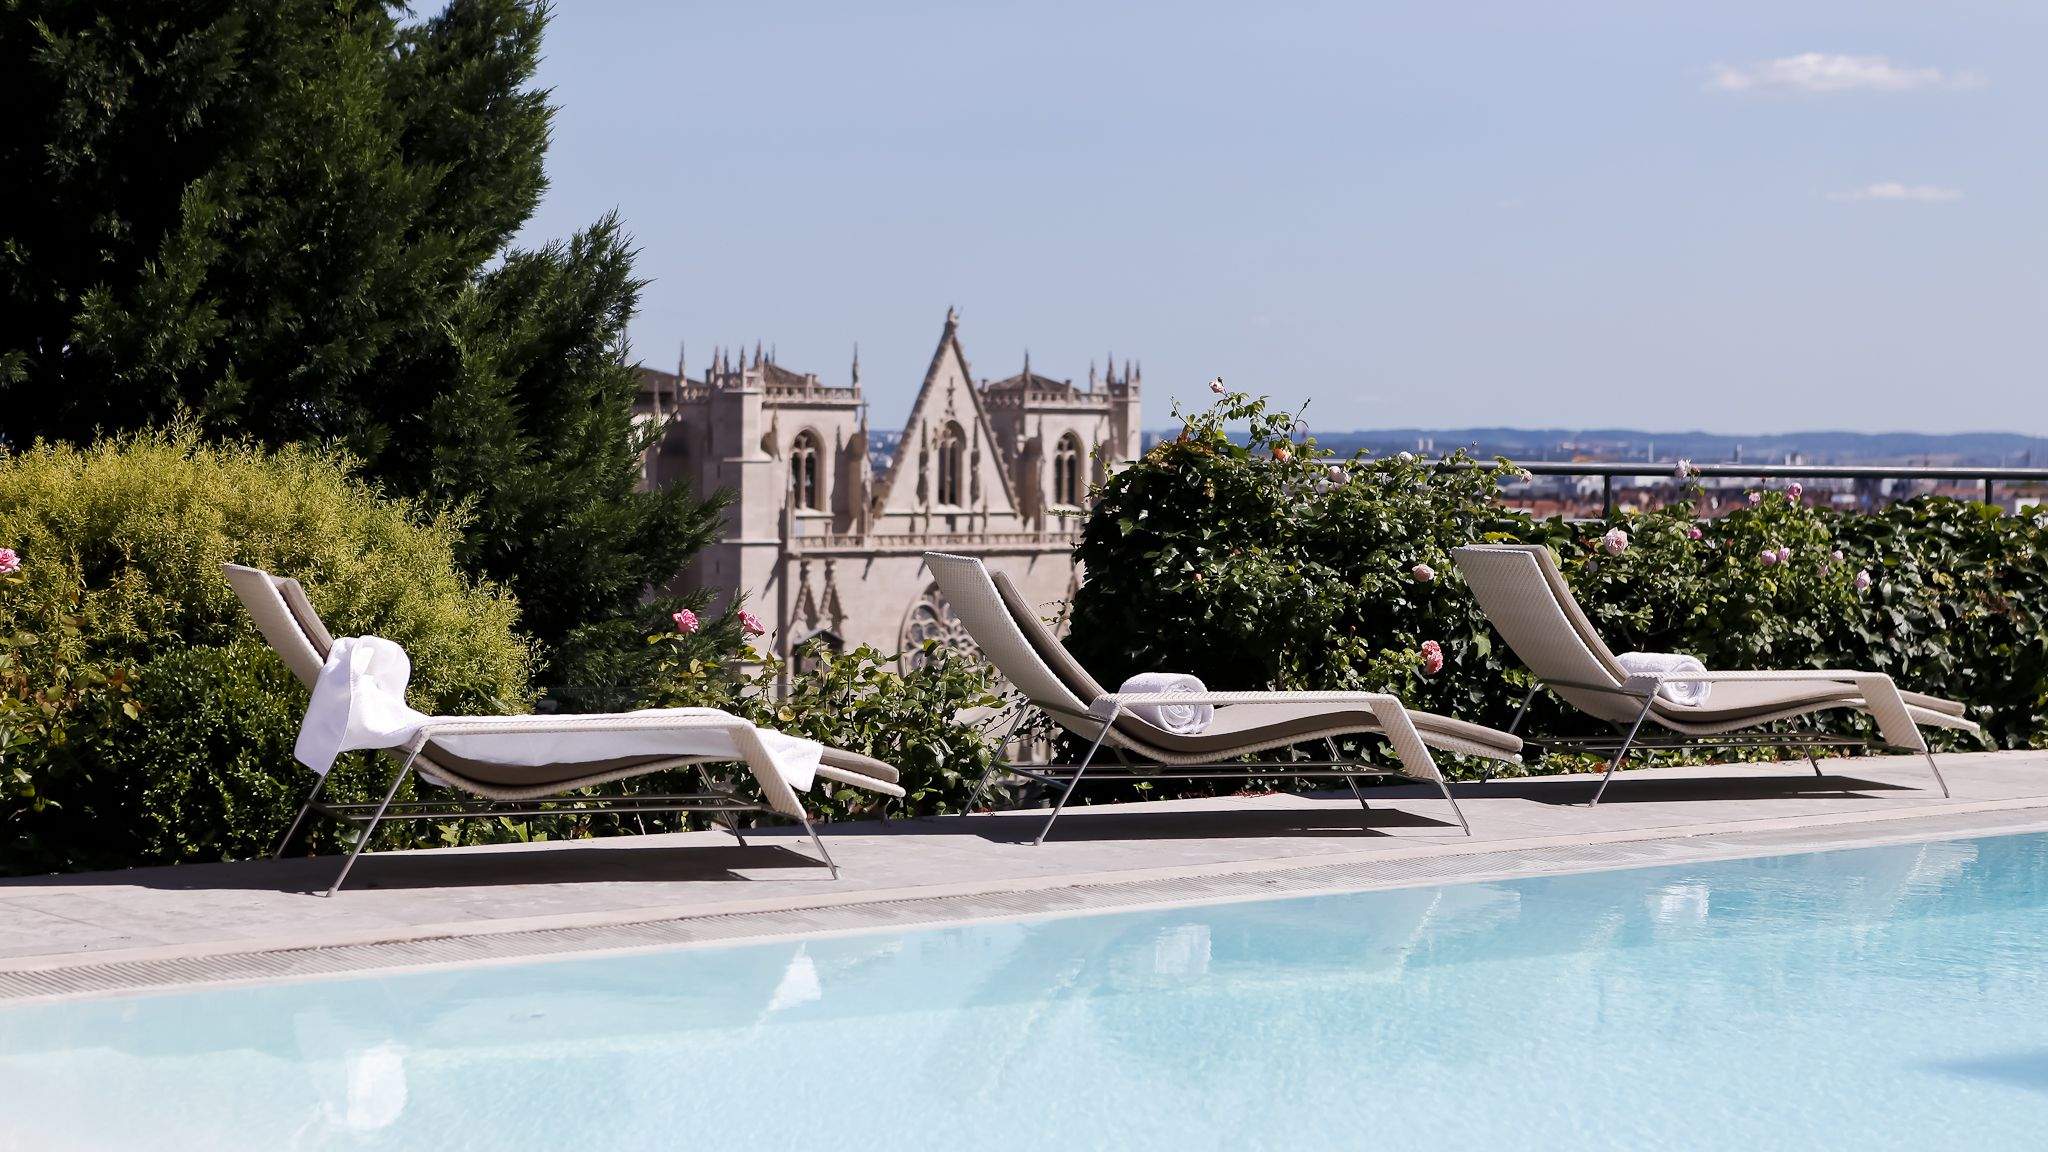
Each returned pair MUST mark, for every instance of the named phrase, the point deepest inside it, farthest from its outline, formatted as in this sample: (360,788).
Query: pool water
(1892,997)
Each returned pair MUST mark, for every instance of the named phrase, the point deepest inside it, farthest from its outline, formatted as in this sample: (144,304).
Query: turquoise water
(1877,998)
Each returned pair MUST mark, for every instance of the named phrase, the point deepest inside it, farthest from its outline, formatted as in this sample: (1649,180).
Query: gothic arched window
(803,472)
(952,463)
(1066,471)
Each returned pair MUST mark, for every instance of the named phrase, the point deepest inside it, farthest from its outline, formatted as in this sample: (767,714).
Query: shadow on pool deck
(626,859)
(1629,788)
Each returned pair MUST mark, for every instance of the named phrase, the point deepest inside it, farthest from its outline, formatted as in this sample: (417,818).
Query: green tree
(293,221)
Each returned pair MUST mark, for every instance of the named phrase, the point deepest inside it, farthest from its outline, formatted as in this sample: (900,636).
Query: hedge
(141,718)
(1241,552)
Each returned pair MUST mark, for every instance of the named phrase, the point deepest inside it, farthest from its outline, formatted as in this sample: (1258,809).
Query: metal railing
(1989,477)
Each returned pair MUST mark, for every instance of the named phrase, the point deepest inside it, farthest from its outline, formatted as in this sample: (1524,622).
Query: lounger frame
(1000,635)
(716,801)
(294,640)
(1898,724)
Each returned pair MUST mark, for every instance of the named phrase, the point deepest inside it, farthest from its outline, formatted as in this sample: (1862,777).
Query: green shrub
(1259,561)
(140,720)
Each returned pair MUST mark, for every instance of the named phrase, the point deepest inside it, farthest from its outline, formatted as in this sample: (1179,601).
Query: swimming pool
(1879,997)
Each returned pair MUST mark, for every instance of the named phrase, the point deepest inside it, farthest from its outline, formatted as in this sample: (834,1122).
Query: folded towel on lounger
(1693,693)
(1185,719)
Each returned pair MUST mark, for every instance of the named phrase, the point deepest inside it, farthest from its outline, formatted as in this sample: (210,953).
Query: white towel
(359,702)
(1689,692)
(1184,719)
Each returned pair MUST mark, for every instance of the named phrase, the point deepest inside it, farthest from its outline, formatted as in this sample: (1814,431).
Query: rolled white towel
(1689,692)
(1183,719)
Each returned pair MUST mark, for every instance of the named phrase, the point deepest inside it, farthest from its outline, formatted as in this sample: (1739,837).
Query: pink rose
(1616,541)
(1770,557)
(1836,555)
(1336,475)
(1423,573)
(9,562)
(1432,658)
(686,621)
(1756,497)
(1216,385)
(1784,553)
(1795,491)
(751,624)
(1687,468)
(1694,533)
(1863,580)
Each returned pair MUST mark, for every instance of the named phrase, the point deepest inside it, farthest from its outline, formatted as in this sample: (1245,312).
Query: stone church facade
(826,531)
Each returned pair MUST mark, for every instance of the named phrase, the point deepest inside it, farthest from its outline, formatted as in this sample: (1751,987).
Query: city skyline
(1736,219)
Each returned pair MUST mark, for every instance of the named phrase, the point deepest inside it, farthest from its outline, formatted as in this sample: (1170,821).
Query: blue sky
(1727,216)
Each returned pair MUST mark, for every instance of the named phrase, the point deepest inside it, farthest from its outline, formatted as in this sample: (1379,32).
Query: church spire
(856,363)
(1027,366)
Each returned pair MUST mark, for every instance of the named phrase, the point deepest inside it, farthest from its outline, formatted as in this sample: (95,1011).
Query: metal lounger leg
(300,818)
(820,843)
(730,821)
(1934,768)
(981,785)
(371,830)
(1078,770)
(1455,810)
(1331,745)
(1529,697)
(1622,753)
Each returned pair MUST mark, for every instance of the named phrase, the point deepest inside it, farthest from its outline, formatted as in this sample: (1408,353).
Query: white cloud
(1830,72)
(1911,193)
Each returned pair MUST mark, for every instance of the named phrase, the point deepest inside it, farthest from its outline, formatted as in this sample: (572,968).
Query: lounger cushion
(867,766)
(1239,726)
(1742,699)
(1934,703)
(309,621)
(1043,642)
(574,775)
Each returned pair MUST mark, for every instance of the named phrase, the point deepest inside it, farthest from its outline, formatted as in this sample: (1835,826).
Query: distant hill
(1962,448)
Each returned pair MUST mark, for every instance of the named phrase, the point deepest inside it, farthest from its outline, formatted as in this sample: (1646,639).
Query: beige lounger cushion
(1044,643)
(1280,722)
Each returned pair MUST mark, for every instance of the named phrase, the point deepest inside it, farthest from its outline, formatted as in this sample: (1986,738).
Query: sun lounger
(1009,633)
(295,632)
(1525,596)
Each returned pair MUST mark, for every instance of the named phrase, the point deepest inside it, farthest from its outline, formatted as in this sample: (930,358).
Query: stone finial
(856,363)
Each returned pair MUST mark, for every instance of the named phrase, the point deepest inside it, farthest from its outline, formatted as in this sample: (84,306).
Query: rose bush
(1212,554)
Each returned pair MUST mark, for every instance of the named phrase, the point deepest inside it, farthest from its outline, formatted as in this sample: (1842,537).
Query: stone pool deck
(164,927)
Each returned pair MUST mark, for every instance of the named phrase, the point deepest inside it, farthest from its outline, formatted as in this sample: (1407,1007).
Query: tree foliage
(294,220)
